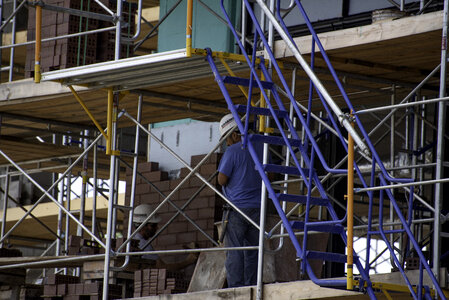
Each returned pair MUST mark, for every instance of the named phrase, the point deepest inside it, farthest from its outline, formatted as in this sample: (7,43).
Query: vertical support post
(440,148)
(118,31)
(60,216)
(13,41)
(37,48)
(79,231)
(109,121)
(350,207)
(5,204)
(189,28)
(1,31)
(392,143)
(95,191)
(67,219)
(112,134)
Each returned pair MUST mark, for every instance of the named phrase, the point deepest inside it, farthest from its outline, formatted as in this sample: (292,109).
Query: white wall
(188,139)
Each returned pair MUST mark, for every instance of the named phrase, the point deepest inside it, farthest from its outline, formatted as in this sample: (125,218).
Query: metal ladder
(288,137)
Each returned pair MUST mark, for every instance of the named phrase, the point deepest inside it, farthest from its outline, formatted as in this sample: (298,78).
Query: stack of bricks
(106,40)
(68,287)
(152,282)
(80,246)
(57,285)
(205,209)
(75,51)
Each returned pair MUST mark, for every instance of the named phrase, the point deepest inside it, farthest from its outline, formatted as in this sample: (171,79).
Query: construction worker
(141,212)
(242,186)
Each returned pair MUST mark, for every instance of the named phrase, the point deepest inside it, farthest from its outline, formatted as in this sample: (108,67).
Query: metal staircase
(305,154)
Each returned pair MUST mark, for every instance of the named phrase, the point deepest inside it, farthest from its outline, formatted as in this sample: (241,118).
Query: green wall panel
(208,31)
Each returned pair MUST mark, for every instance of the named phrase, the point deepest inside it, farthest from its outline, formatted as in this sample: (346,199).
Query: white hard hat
(226,124)
(142,211)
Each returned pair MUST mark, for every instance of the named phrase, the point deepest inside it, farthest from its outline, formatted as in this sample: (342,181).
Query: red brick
(212,202)
(201,223)
(199,202)
(213,158)
(206,213)
(208,169)
(148,167)
(155,176)
(163,186)
(208,192)
(187,237)
(166,239)
(184,172)
(187,193)
(174,183)
(176,227)
(142,188)
(192,213)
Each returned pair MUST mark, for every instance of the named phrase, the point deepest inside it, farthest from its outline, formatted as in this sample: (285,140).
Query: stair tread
(274,140)
(302,199)
(318,226)
(283,169)
(245,82)
(261,111)
(327,256)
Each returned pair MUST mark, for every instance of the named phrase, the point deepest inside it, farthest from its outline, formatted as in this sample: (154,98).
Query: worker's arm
(222,179)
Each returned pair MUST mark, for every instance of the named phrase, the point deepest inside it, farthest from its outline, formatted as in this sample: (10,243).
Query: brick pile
(63,53)
(68,287)
(152,282)
(205,209)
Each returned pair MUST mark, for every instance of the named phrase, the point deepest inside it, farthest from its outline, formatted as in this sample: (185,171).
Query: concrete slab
(280,291)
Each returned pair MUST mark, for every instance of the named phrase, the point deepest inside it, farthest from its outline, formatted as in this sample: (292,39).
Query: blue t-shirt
(244,182)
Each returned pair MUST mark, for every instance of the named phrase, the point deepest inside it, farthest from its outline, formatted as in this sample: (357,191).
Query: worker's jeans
(241,266)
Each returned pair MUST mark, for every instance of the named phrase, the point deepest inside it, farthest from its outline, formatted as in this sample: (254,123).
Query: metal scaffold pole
(112,136)
(440,148)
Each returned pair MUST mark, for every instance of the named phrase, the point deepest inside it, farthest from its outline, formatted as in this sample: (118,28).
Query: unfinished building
(348,98)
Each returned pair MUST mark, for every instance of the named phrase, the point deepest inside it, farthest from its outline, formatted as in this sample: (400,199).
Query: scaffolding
(328,123)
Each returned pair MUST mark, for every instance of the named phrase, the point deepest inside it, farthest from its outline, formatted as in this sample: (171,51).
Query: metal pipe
(189,28)
(95,192)
(133,181)
(192,171)
(439,173)
(138,44)
(85,178)
(59,226)
(392,143)
(37,48)
(350,214)
(401,105)
(105,8)
(67,220)
(47,194)
(5,205)
(109,121)
(60,37)
(112,133)
(392,186)
(418,87)
(13,39)
(13,14)
(318,85)
(118,36)
(86,109)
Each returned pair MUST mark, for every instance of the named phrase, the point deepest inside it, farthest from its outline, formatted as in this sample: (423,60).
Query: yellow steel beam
(189,28)
(86,109)
(37,49)
(350,210)
(109,120)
